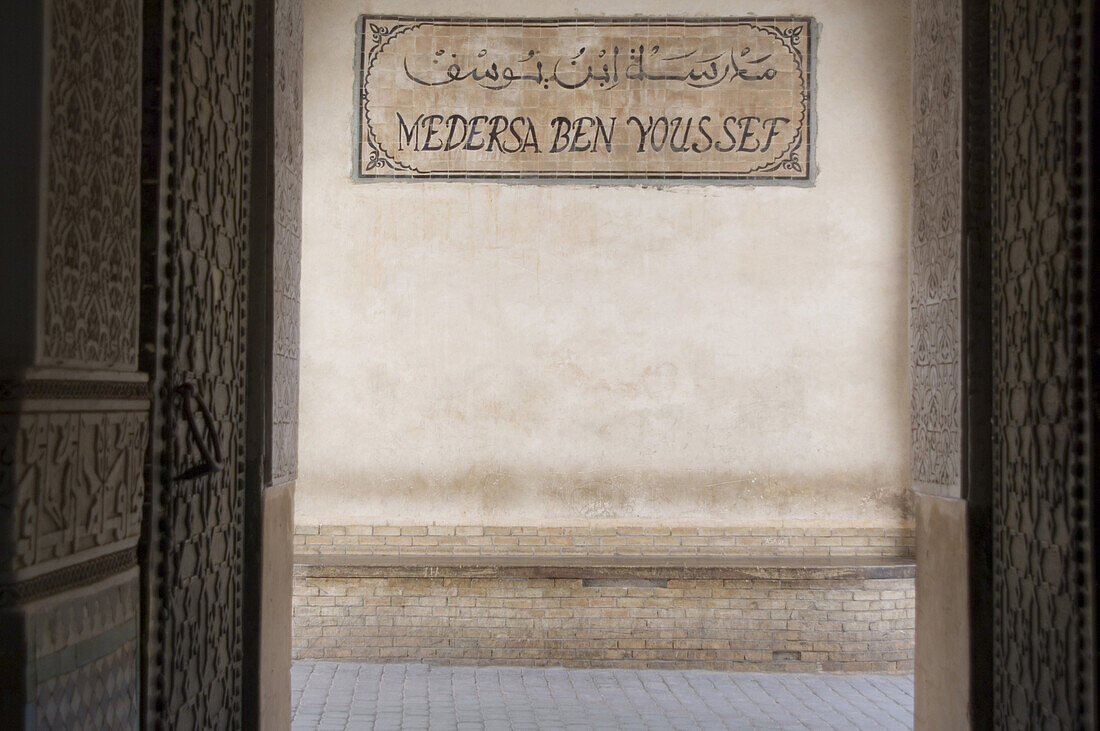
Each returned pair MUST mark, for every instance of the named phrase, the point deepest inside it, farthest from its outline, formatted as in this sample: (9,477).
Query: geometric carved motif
(90,293)
(936,249)
(101,692)
(67,623)
(1043,639)
(198,557)
(287,257)
(73,482)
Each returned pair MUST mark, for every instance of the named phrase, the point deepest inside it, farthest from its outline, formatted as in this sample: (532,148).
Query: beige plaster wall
(568,353)
(276,588)
(942,693)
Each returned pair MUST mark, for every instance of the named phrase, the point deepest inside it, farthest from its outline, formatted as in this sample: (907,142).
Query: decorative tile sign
(598,98)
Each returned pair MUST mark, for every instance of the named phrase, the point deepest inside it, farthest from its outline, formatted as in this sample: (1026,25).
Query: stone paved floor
(339,695)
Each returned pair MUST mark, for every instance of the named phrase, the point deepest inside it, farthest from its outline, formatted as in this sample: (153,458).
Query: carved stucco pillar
(73,404)
(279,217)
(935,255)
(949,353)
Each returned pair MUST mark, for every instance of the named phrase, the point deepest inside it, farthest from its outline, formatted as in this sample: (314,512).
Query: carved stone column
(949,359)
(273,353)
(936,375)
(73,405)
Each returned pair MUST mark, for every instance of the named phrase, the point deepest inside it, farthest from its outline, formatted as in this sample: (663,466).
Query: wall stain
(490,491)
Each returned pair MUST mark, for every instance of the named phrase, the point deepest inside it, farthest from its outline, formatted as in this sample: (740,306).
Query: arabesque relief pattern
(288,238)
(73,482)
(1042,536)
(936,250)
(199,553)
(90,291)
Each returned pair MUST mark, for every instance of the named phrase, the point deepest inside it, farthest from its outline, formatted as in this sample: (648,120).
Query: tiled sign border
(630,177)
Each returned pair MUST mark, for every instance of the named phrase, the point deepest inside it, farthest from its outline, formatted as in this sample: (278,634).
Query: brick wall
(794,624)
(761,625)
(599,540)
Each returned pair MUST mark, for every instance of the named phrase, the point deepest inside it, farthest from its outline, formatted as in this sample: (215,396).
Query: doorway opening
(610,425)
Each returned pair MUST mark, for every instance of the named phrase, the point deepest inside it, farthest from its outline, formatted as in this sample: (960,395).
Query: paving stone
(331,695)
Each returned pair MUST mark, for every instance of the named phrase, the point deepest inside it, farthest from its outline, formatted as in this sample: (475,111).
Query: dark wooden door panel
(1042,464)
(196,550)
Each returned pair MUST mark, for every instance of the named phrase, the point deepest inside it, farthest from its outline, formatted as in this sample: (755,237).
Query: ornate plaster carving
(72,486)
(935,337)
(288,239)
(90,294)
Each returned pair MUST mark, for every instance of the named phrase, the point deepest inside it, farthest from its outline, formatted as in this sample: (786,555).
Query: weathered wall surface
(563,353)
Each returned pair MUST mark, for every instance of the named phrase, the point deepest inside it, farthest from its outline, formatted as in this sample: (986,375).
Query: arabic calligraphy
(698,71)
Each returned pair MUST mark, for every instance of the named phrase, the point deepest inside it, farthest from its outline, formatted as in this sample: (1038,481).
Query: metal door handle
(210,447)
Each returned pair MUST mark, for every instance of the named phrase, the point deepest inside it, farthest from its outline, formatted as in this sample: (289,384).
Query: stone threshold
(680,568)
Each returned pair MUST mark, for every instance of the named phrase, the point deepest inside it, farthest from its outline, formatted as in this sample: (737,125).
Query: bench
(696,568)
(773,613)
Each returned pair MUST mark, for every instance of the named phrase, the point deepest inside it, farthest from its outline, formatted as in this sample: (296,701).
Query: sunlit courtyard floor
(339,695)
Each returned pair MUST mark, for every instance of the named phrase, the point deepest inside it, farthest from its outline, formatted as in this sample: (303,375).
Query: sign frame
(806,178)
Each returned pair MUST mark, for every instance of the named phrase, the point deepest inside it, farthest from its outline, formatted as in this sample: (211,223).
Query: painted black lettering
(561,125)
(453,140)
(579,133)
(729,133)
(771,124)
(664,134)
(474,132)
(643,131)
(408,135)
(747,134)
(429,130)
(515,134)
(497,125)
(703,131)
(531,140)
(678,122)
(604,133)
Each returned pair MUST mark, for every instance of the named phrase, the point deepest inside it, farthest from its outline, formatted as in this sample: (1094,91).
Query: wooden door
(1044,363)
(199,144)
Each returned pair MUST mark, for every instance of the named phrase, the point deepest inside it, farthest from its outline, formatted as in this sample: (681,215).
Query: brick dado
(759,625)
(605,540)
(791,618)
